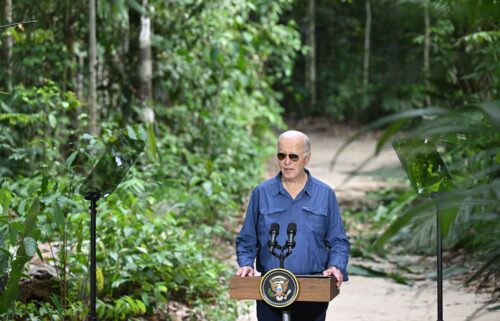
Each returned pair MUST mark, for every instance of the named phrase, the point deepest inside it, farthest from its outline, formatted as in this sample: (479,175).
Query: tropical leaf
(493,261)
(58,216)
(356,269)
(4,262)
(406,115)
(402,221)
(30,246)
(449,271)
(9,296)
(492,109)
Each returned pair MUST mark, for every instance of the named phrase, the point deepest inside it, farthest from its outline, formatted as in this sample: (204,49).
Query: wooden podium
(312,288)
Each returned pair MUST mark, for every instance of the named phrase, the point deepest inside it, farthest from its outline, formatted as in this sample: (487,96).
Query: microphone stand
(282,256)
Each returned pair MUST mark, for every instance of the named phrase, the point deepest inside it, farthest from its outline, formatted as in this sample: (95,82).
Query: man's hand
(245,271)
(333,271)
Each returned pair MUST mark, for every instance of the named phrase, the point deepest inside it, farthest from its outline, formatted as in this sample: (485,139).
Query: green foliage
(25,235)
(47,311)
(28,116)
(463,57)
(215,65)
(468,141)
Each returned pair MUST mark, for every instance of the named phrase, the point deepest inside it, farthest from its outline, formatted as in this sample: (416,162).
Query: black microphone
(291,230)
(275,230)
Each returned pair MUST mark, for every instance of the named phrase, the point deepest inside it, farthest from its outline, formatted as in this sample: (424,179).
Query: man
(294,196)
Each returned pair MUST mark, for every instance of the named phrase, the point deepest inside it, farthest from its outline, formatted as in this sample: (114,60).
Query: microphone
(275,230)
(291,230)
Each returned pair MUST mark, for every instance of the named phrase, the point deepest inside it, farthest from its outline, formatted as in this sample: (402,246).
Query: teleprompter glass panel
(113,165)
(423,165)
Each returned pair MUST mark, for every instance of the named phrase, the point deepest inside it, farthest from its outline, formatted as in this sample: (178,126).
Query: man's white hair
(296,133)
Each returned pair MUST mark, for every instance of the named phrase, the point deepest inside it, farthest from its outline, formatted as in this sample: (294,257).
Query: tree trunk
(366,60)
(146,65)
(8,45)
(427,47)
(69,42)
(311,57)
(92,101)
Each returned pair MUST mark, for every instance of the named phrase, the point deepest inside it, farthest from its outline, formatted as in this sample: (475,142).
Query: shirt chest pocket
(270,215)
(316,218)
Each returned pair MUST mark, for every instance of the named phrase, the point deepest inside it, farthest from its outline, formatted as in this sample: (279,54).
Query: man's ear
(308,158)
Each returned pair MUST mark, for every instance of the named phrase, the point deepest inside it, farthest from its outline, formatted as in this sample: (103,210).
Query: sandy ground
(378,299)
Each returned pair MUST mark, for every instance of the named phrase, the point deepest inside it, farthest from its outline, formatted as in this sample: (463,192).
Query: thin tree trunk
(80,78)
(8,44)
(311,57)
(92,101)
(146,65)
(427,47)
(366,60)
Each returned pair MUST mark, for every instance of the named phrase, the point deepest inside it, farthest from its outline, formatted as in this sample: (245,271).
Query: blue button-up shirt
(321,241)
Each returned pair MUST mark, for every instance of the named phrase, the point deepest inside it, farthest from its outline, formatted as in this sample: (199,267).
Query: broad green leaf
(58,216)
(5,200)
(356,269)
(495,307)
(449,271)
(30,222)
(52,121)
(447,216)
(142,249)
(71,158)
(131,132)
(30,246)
(45,183)
(494,260)
(99,279)
(492,109)
(402,221)
(394,128)
(10,294)
(4,262)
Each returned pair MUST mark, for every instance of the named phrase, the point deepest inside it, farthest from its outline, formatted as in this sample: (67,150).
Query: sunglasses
(293,157)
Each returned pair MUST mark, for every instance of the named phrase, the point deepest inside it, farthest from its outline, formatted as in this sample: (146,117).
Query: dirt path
(378,299)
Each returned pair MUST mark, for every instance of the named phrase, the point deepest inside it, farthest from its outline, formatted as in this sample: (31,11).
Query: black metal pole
(439,250)
(93,198)
(439,258)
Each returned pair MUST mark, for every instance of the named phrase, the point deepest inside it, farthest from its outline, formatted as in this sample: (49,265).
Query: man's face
(292,146)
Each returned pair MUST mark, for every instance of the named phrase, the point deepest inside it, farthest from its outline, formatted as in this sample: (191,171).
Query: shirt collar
(279,188)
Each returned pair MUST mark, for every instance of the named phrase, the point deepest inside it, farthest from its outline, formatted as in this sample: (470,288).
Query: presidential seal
(279,288)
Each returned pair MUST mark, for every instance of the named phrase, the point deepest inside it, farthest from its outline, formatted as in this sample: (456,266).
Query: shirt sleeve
(246,241)
(337,241)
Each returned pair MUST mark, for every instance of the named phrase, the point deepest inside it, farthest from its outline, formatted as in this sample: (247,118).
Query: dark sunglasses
(293,157)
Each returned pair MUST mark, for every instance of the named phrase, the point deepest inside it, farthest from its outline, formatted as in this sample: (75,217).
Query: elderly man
(294,196)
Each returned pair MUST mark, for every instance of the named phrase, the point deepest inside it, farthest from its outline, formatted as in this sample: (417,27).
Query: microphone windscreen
(275,227)
(292,228)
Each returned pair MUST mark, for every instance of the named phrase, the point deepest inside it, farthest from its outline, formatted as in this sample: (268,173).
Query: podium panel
(312,288)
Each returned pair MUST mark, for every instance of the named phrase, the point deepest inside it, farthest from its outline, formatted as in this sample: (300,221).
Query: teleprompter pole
(439,261)
(93,198)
